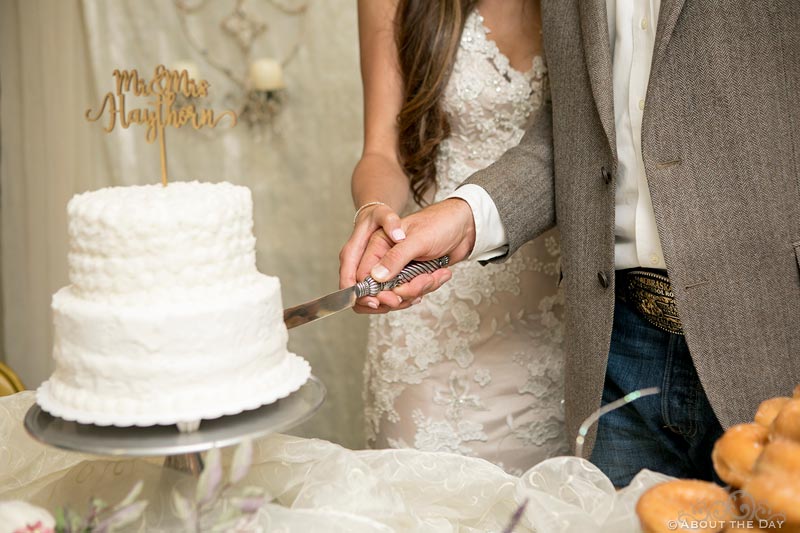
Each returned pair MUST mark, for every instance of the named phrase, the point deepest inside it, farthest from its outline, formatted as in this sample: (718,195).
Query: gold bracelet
(369,204)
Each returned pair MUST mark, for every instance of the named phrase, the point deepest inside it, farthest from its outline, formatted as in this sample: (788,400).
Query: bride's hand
(369,220)
(445,228)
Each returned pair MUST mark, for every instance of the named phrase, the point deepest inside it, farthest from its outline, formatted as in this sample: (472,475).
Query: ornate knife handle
(370,287)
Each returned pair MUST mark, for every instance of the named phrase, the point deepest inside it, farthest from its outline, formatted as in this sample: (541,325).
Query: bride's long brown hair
(427,34)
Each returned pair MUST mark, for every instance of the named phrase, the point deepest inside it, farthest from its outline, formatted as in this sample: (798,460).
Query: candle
(266,75)
(188,66)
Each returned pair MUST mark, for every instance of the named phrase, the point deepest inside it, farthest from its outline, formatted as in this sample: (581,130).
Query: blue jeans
(672,432)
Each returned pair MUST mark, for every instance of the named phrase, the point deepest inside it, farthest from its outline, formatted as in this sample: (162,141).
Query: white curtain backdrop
(57,60)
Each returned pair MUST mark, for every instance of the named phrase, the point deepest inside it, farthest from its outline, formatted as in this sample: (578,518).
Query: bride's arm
(378,176)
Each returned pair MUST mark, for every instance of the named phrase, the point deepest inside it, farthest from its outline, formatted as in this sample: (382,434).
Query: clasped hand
(382,244)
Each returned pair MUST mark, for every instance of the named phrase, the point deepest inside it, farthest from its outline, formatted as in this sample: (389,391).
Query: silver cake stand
(182,450)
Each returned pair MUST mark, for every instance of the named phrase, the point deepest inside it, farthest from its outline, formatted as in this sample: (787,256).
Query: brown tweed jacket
(721,146)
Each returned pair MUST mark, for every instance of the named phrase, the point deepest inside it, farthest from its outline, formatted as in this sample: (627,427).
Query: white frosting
(167,318)
(136,244)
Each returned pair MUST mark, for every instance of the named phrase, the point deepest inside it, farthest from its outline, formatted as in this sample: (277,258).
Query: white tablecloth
(319,486)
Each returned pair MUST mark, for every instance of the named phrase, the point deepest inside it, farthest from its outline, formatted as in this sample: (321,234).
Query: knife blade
(346,298)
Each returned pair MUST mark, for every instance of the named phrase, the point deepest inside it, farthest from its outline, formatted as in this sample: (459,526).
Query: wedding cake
(166,319)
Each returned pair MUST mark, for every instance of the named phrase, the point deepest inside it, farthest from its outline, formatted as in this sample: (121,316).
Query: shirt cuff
(490,235)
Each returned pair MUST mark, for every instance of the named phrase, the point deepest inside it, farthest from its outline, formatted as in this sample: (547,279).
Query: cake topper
(165,87)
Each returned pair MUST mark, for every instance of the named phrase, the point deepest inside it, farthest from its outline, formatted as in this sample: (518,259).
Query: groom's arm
(512,200)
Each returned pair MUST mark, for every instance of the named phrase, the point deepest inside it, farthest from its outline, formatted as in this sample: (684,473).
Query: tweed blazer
(721,147)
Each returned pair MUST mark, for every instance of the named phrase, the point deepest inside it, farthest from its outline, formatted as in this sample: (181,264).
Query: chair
(9,381)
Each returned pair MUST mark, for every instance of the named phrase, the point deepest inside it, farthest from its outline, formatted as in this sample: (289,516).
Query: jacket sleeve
(521,184)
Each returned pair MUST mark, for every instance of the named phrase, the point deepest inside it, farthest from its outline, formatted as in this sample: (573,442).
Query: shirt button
(603,279)
(606,175)
(641,104)
(654,259)
(643,24)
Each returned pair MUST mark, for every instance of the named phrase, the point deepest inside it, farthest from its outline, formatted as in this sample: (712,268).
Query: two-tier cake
(166,320)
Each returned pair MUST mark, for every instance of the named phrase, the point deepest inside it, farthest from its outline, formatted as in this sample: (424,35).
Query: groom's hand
(445,228)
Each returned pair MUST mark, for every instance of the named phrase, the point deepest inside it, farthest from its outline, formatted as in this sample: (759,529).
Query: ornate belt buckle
(651,295)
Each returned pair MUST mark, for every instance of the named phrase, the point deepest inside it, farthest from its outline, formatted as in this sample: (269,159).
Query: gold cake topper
(165,87)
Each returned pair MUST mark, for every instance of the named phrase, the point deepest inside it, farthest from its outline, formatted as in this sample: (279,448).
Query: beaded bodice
(488,103)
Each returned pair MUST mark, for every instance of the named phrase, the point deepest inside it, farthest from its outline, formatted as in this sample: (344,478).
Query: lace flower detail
(482,377)
(441,435)
(457,397)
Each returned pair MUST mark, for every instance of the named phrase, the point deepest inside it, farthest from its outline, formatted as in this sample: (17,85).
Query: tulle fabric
(320,486)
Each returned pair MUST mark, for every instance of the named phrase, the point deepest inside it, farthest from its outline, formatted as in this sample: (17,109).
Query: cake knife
(346,298)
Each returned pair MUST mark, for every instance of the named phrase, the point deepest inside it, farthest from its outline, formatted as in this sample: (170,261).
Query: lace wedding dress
(477,367)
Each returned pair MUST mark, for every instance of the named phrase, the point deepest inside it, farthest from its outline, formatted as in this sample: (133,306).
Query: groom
(674,176)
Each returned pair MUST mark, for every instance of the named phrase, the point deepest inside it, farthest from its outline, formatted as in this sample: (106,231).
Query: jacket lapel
(597,49)
(668,15)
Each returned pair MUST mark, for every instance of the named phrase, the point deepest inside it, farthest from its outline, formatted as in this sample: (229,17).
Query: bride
(476,367)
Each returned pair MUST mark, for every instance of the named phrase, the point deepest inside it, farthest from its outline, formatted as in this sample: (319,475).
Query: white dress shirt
(632,32)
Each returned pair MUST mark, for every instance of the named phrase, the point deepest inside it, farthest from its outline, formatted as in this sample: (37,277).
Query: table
(315,485)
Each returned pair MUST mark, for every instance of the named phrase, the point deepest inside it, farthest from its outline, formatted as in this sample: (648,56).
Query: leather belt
(650,294)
